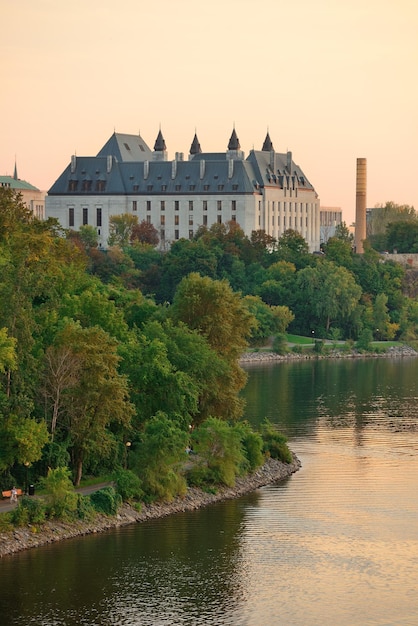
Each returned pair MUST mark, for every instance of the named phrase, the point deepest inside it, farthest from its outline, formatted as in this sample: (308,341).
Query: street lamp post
(127,448)
(26,464)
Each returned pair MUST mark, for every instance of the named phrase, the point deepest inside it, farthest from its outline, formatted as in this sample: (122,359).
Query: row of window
(191,205)
(286,205)
(85,218)
(100,185)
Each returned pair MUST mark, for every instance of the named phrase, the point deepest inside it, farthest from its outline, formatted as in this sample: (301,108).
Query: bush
(61,497)
(85,508)
(106,501)
(252,444)
(29,511)
(364,340)
(280,344)
(220,448)
(128,485)
(275,443)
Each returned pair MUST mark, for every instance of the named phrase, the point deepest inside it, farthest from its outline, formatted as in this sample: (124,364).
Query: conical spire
(15,176)
(267,145)
(234,142)
(195,147)
(159,145)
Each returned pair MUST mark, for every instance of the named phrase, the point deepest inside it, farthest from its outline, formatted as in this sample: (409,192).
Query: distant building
(329,219)
(31,196)
(267,190)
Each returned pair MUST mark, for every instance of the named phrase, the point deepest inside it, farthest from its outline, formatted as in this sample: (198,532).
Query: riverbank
(29,537)
(331,353)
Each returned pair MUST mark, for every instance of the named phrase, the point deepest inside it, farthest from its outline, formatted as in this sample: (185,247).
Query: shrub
(280,344)
(85,508)
(252,444)
(106,500)
(61,497)
(128,485)
(220,448)
(275,443)
(365,339)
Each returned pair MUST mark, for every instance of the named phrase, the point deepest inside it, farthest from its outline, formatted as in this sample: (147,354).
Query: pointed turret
(195,147)
(159,145)
(234,141)
(160,149)
(268,144)
(234,151)
(15,176)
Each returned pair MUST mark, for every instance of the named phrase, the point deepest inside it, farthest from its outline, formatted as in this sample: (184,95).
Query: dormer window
(72,185)
(86,185)
(100,185)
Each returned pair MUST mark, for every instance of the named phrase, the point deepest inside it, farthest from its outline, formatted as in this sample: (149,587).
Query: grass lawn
(297,339)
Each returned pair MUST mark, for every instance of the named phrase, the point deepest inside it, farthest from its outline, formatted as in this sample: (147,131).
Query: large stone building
(33,197)
(267,190)
(329,218)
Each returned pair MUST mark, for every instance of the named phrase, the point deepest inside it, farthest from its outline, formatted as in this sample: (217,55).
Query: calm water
(336,544)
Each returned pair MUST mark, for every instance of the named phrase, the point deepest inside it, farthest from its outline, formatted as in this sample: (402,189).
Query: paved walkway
(6,505)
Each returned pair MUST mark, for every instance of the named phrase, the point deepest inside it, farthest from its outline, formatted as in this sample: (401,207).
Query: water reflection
(334,544)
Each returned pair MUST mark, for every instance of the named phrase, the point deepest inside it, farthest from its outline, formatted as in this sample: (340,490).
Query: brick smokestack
(361,189)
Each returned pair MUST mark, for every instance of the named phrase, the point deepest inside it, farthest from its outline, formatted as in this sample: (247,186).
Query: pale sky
(332,80)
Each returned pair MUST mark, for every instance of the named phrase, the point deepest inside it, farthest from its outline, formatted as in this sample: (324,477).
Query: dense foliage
(114,362)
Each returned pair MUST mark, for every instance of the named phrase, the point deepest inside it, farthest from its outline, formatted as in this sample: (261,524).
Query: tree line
(119,360)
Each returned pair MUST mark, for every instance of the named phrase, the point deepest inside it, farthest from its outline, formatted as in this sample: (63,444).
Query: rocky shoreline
(29,537)
(334,353)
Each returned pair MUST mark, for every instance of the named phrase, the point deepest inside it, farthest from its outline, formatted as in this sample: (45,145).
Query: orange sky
(332,80)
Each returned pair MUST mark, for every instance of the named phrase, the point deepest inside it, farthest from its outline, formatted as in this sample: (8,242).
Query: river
(335,544)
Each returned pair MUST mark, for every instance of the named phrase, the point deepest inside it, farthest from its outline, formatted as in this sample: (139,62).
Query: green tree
(403,236)
(160,456)
(121,228)
(329,291)
(220,315)
(98,399)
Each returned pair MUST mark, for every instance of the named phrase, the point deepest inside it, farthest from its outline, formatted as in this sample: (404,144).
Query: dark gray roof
(92,175)
(126,148)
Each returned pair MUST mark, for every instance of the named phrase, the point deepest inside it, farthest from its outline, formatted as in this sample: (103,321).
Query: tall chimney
(361,189)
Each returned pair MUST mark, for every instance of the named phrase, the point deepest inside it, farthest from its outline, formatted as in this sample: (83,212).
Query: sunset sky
(332,80)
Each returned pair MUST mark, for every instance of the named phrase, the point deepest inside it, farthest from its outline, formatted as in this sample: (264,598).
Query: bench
(8,494)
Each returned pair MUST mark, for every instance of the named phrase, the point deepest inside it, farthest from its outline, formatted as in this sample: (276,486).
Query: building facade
(31,196)
(329,218)
(266,190)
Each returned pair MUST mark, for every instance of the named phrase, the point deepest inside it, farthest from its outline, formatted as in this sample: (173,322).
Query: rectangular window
(234,205)
(205,220)
(219,203)
(284,206)
(148,219)
(149,187)
(220,187)
(176,220)
(71,216)
(259,205)
(219,219)
(134,205)
(85,216)
(176,205)
(162,220)
(176,234)
(148,205)
(162,205)
(190,220)
(190,234)
(162,234)
(206,187)
(178,187)
(233,218)
(190,205)
(205,205)
(98,216)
